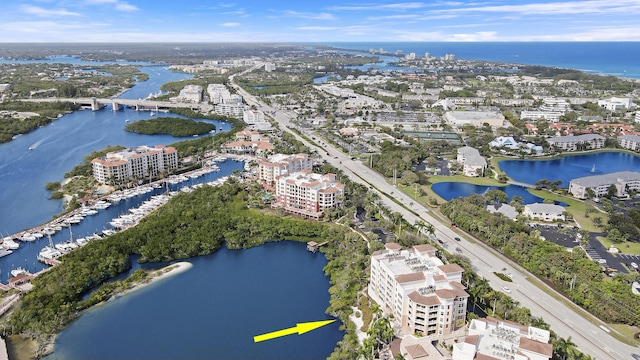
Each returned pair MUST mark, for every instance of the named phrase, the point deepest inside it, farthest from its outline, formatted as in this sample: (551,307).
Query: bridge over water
(527,185)
(116,104)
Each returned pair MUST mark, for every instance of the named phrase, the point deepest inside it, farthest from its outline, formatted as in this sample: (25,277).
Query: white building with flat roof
(253,116)
(490,338)
(190,93)
(624,182)
(422,293)
(475,118)
(473,164)
(578,142)
(552,116)
(134,163)
(616,104)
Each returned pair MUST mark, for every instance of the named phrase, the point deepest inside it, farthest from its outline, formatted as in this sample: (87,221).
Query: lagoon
(569,167)
(452,190)
(213,310)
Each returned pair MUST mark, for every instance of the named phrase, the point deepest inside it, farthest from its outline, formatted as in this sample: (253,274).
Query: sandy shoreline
(26,352)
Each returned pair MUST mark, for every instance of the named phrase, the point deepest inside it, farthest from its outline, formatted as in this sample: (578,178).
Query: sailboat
(593,168)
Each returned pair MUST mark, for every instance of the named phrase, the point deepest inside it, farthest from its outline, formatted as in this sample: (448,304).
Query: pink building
(307,194)
(277,165)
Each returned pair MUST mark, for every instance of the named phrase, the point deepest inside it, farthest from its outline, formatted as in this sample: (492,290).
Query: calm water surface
(214,310)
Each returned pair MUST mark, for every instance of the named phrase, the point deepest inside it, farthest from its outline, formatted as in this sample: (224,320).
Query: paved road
(590,339)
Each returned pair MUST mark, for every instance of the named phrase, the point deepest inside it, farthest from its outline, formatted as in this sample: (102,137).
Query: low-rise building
(616,104)
(544,212)
(422,293)
(253,116)
(134,163)
(190,93)
(248,142)
(473,164)
(490,338)
(504,141)
(631,142)
(552,116)
(624,181)
(278,165)
(475,118)
(577,142)
(308,194)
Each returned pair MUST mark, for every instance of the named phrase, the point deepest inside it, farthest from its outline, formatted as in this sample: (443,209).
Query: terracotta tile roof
(424,300)
(536,346)
(472,339)
(480,356)
(405,278)
(393,246)
(450,268)
(424,248)
(440,278)
(416,351)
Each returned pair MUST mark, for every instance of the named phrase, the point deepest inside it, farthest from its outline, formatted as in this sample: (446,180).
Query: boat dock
(314,246)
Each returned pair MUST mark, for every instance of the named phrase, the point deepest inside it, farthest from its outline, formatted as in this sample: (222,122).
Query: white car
(506,289)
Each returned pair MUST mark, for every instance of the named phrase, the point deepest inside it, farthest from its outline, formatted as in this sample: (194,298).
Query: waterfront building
(190,93)
(616,104)
(544,212)
(308,194)
(219,94)
(422,293)
(630,142)
(279,165)
(490,338)
(577,142)
(134,163)
(473,164)
(504,209)
(234,110)
(475,118)
(504,141)
(248,141)
(624,181)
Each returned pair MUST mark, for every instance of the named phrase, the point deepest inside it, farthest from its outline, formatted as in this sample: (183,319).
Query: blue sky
(318,21)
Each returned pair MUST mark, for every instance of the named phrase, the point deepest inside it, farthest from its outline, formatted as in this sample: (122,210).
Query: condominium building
(473,164)
(490,338)
(631,142)
(624,182)
(134,163)
(616,104)
(475,118)
(552,116)
(190,93)
(308,194)
(253,116)
(554,104)
(577,142)
(422,293)
(544,212)
(278,165)
(219,94)
(235,110)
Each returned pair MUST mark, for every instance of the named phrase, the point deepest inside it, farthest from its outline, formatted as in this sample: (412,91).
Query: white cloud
(367,7)
(313,16)
(42,12)
(316,28)
(440,36)
(392,17)
(122,6)
(556,8)
(230,24)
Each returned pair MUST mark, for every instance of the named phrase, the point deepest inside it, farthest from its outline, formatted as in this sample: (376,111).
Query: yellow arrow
(300,329)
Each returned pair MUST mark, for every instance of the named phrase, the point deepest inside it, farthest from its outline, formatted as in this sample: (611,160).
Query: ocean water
(608,58)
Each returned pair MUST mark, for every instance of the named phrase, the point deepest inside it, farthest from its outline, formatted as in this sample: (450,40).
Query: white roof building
(615,104)
(490,338)
(504,141)
(190,93)
(544,212)
(473,164)
(475,118)
(578,142)
(624,182)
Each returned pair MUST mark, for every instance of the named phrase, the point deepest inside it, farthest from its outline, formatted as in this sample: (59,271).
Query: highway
(592,339)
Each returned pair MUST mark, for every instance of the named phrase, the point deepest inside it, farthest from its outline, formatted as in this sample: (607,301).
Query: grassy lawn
(627,247)
(627,331)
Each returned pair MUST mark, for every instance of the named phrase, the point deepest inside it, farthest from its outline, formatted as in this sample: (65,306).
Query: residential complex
(490,338)
(422,293)
(616,104)
(308,194)
(473,164)
(134,163)
(475,118)
(190,93)
(278,165)
(624,181)
(248,142)
(631,142)
(544,212)
(577,142)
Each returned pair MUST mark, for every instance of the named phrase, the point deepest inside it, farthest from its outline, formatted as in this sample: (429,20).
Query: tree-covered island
(171,126)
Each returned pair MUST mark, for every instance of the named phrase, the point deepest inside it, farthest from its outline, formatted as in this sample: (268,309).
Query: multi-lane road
(590,335)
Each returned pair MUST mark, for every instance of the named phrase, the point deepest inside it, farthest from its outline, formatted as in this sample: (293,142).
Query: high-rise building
(134,163)
(308,194)
(422,293)
(278,165)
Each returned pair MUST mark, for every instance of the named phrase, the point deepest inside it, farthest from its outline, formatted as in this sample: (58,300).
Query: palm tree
(562,347)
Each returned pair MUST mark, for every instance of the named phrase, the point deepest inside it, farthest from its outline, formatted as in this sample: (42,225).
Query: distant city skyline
(326,21)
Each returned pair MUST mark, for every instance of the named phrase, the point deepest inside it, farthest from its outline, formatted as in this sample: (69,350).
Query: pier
(314,246)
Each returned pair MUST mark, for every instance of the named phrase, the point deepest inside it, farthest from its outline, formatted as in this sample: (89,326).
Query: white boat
(9,244)
(18,271)
(49,253)
(28,237)
(4,252)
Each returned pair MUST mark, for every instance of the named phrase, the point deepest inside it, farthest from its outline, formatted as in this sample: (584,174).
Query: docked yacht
(9,244)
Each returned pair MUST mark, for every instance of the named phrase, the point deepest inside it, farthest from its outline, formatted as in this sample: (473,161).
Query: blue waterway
(611,58)
(452,190)
(569,167)
(213,311)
